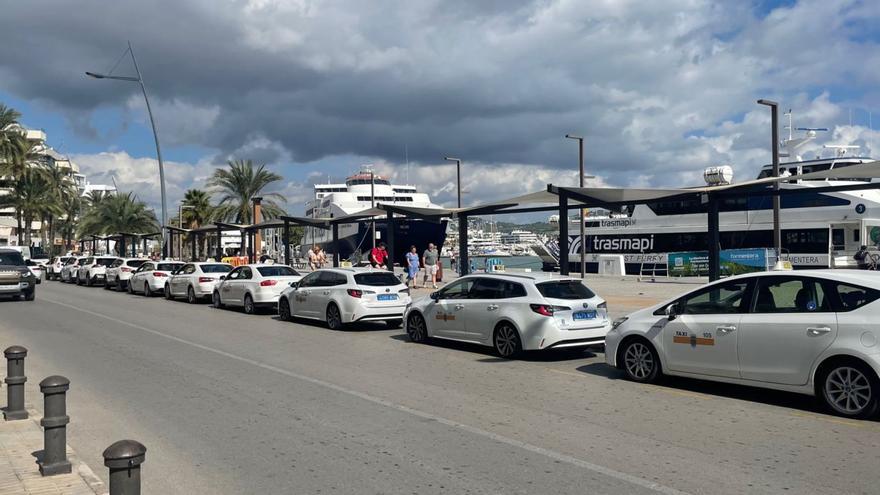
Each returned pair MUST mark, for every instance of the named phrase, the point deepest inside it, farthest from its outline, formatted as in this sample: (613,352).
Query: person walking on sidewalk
(412,266)
(430,258)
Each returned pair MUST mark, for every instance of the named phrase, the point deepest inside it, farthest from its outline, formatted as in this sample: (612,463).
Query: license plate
(584,315)
(387,297)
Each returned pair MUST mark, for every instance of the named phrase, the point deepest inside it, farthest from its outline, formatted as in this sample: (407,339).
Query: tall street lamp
(580,141)
(140,80)
(774,123)
(457,176)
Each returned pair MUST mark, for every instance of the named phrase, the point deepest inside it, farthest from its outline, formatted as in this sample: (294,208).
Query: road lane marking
(552,454)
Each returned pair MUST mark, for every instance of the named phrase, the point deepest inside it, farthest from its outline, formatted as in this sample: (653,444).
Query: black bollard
(54,425)
(124,458)
(15,380)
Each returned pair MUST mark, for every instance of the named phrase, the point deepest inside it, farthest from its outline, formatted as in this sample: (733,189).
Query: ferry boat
(361,192)
(819,229)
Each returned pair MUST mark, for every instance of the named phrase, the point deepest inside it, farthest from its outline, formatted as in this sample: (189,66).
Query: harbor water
(517,262)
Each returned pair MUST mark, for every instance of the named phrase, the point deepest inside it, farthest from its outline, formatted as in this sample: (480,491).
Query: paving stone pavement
(20,442)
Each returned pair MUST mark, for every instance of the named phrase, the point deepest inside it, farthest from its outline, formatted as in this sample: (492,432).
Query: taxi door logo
(692,340)
(444,316)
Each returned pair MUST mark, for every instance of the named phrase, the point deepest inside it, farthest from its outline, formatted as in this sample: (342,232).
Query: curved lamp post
(140,80)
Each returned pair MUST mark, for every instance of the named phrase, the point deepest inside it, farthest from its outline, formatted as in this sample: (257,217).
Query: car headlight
(616,323)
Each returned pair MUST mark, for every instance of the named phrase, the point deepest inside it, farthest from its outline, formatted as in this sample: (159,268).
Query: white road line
(552,454)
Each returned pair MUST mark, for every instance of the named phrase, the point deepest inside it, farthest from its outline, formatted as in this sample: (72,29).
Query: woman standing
(412,266)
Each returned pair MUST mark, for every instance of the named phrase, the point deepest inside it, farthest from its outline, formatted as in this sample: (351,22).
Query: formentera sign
(733,262)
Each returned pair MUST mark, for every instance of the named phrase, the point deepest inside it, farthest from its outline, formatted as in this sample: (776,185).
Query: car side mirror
(222,277)
(435,296)
(671,311)
(295,285)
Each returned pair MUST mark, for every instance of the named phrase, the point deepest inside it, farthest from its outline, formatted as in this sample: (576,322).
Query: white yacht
(819,229)
(361,192)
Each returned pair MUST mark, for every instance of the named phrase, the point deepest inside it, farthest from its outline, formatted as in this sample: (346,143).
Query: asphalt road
(229,403)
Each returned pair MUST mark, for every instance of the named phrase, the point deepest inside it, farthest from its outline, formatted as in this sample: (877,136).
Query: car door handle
(726,328)
(326,292)
(818,330)
(459,306)
(492,307)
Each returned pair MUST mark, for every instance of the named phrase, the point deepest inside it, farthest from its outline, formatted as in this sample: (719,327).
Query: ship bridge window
(377,181)
(744,203)
(385,198)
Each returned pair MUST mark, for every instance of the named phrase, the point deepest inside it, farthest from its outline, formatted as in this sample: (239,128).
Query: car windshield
(105,261)
(64,259)
(565,289)
(376,279)
(135,263)
(11,258)
(277,271)
(168,267)
(216,268)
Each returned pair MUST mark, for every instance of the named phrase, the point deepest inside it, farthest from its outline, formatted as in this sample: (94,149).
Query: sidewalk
(20,442)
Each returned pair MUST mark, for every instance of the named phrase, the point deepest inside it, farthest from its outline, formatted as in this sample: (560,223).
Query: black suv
(15,277)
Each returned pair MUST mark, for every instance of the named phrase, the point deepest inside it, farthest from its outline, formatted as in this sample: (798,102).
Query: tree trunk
(51,223)
(27,230)
(18,225)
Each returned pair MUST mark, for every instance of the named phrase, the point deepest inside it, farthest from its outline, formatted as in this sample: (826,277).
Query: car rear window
(377,279)
(216,268)
(11,258)
(854,297)
(135,263)
(277,271)
(565,289)
(168,267)
(105,261)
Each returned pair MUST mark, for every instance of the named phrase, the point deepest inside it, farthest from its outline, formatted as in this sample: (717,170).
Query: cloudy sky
(316,88)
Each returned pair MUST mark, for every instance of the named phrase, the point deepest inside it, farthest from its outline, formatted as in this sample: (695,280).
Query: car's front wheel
(30,295)
(850,389)
(215,300)
(416,329)
(507,342)
(284,309)
(334,317)
(640,361)
(167,292)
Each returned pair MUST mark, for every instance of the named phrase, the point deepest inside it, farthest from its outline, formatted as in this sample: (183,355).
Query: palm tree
(8,129)
(199,210)
(94,198)
(19,155)
(33,198)
(118,213)
(239,185)
(61,188)
(72,208)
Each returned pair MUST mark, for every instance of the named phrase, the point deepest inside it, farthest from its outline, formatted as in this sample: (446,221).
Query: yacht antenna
(406,157)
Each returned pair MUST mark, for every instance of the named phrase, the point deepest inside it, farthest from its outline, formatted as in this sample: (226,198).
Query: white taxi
(253,286)
(339,296)
(512,313)
(813,332)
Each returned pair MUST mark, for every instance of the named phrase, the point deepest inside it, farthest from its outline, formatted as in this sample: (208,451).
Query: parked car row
(813,332)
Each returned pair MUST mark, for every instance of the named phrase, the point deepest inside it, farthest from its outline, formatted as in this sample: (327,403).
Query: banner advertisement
(733,262)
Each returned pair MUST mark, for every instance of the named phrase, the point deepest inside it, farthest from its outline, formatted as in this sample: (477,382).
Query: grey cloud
(495,82)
